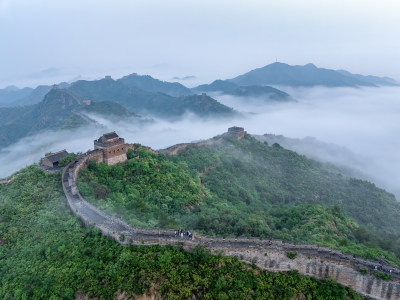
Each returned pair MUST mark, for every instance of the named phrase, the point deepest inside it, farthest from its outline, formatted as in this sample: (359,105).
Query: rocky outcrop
(311,260)
(8,180)
(4,181)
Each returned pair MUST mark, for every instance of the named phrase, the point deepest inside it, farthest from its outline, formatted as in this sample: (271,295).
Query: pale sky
(42,42)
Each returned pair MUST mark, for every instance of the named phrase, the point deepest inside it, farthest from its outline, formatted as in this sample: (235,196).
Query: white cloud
(210,39)
(363,120)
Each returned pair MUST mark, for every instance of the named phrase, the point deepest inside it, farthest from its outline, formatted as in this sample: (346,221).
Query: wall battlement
(311,260)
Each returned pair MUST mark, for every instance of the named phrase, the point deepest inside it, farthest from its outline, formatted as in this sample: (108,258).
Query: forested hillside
(247,188)
(230,88)
(46,253)
(308,75)
(59,110)
(53,113)
(145,102)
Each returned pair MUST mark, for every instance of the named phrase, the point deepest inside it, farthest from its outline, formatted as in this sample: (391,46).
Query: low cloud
(363,120)
(189,77)
(47,73)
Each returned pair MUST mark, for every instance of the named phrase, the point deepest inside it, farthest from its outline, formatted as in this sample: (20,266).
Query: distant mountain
(144,102)
(67,108)
(318,150)
(12,93)
(60,109)
(230,88)
(13,96)
(224,86)
(51,113)
(107,108)
(9,114)
(150,84)
(307,75)
(372,79)
(203,105)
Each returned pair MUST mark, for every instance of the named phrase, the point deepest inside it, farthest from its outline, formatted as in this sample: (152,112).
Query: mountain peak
(11,88)
(61,97)
(310,65)
(308,75)
(150,84)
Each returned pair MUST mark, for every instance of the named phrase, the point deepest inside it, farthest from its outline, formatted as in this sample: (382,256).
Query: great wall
(311,260)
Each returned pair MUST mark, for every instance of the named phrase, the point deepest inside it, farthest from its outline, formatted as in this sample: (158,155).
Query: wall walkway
(311,260)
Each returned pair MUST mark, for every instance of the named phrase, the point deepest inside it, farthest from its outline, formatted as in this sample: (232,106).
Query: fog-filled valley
(358,127)
(199,149)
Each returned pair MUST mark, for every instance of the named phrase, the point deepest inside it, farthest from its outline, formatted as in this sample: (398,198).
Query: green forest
(248,188)
(46,253)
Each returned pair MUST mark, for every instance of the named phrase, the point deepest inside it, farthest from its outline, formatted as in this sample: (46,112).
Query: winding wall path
(311,260)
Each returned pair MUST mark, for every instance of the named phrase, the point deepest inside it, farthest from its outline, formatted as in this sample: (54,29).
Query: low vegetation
(46,253)
(247,188)
(382,276)
(67,159)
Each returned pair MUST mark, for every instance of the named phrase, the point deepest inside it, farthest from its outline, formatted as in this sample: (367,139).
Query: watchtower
(113,147)
(237,132)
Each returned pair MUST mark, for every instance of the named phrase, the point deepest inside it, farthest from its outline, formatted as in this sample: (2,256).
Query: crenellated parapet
(311,260)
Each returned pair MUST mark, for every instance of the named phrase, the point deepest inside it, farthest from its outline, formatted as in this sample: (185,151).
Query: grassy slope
(45,253)
(250,189)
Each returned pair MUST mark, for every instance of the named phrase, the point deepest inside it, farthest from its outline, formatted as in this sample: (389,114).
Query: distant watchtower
(237,132)
(114,149)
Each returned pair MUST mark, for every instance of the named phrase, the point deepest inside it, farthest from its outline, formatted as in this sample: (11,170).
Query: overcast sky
(48,41)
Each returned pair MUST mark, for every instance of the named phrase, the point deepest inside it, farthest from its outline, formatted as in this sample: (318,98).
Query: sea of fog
(364,120)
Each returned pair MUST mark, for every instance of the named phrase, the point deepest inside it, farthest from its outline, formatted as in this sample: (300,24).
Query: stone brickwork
(311,260)
(113,147)
(115,154)
(237,132)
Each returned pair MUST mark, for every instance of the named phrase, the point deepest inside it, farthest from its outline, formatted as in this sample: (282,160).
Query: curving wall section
(311,260)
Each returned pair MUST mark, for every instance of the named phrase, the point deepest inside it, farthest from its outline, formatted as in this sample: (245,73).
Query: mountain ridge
(144,102)
(229,88)
(150,84)
(308,75)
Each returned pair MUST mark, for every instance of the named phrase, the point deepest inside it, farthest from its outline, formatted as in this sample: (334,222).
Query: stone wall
(320,267)
(115,154)
(135,147)
(311,260)
(80,163)
(174,150)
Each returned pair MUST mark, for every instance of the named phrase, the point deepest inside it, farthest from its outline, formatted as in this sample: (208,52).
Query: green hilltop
(247,188)
(46,253)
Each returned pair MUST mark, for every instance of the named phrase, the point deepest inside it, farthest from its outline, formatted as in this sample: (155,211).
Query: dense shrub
(48,254)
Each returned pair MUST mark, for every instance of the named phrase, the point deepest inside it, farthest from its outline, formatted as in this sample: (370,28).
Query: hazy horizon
(208,40)
(363,120)
(45,42)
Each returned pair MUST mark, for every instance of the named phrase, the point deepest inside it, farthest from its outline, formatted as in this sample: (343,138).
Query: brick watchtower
(114,148)
(237,132)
